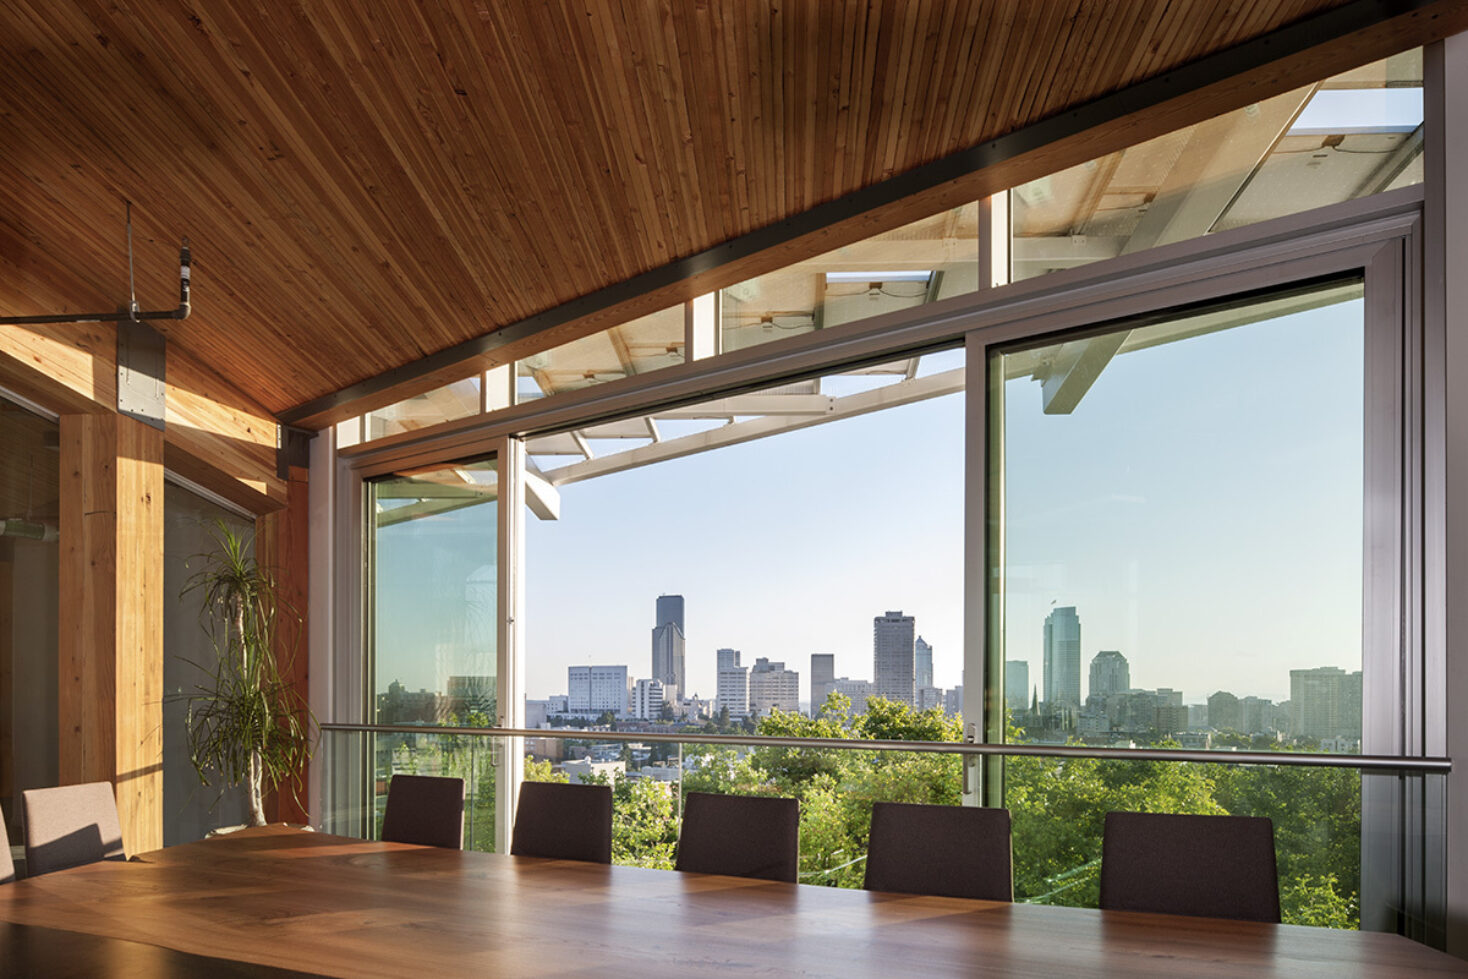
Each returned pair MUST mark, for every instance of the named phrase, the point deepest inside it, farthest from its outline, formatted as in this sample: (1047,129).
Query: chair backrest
(7,865)
(1210,866)
(69,826)
(740,836)
(564,822)
(948,851)
(425,809)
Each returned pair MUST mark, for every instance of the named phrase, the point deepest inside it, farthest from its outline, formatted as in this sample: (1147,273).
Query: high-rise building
(1325,703)
(894,666)
(597,689)
(772,686)
(726,658)
(929,697)
(1257,714)
(1063,657)
(1110,673)
(953,701)
(822,680)
(647,700)
(1017,684)
(923,662)
(732,691)
(1224,713)
(667,645)
(856,691)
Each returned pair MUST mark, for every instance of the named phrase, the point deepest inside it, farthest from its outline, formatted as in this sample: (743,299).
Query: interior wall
(190,809)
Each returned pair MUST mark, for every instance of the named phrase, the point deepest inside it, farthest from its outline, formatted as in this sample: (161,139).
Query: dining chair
(740,836)
(70,825)
(563,822)
(945,851)
(1208,866)
(7,865)
(425,809)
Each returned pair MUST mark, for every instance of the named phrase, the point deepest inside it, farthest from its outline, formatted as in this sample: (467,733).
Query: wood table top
(348,907)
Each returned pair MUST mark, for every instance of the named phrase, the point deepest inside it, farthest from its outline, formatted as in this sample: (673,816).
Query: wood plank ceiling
(365,184)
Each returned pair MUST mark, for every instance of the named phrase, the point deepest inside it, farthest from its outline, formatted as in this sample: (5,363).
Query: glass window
(1179,556)
(1352,135)
(931,259)
(457,400)
(432,595)
(645,344)
(30,587)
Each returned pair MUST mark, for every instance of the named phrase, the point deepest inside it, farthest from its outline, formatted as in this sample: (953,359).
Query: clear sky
(1201,508)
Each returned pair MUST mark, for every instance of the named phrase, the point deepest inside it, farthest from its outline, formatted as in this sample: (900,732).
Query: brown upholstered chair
(740,836)
(69,826)
(563,822)
(7,865)
(947,851)
(425,809)
(1208,866)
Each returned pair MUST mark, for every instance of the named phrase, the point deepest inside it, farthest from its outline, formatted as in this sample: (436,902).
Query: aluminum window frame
(1379,237)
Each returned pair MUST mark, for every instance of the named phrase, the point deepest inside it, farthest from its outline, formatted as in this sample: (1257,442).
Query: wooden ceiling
(368,183)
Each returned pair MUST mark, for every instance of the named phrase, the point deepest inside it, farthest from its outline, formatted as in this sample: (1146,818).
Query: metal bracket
(292,448)
(142,365)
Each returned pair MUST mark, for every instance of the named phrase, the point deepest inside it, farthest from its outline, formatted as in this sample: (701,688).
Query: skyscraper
(923,655)
(822,680)
(667,645)
(894,666)
(726,658)
(1017,684)
(732,689)
(1063,657)
(772,686)
(1326,702)
(1109,674)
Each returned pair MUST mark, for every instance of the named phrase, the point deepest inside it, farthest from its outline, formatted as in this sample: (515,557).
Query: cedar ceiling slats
(365,184)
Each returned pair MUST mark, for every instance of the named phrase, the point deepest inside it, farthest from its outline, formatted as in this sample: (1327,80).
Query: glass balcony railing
(1058,797)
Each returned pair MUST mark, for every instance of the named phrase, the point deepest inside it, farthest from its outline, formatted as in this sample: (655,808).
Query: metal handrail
(1365,763)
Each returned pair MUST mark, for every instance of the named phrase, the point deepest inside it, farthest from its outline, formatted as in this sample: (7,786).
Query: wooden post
(282,548)
(111,632)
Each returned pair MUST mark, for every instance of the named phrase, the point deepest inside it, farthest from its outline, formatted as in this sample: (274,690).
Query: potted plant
(246,722)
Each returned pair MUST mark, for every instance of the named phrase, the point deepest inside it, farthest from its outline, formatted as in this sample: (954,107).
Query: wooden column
(282,546)
(111,636)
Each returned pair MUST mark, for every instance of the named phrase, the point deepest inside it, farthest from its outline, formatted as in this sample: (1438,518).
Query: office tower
(856,691)
(1257,714)
(597,689)
(822,680)
(1325,703)
(1063,657)
(1224,713)
(1110,674)
(647,700)
(923,663)
(1169,718)
(772,686)
(893,661)
(953,701)
(732,690)
(929,697)
(1016,684)
(727,658)
(667,645)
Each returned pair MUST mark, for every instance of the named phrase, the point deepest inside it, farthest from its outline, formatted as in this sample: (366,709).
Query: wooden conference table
(337,906)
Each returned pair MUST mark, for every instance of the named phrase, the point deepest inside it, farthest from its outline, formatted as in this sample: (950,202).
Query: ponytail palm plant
(246,722)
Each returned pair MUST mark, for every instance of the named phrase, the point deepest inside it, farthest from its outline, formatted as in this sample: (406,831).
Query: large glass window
(30,479)
(433,624)
(1177,535)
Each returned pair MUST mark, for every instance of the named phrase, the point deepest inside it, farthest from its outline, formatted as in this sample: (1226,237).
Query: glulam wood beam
(216,436)
(283,548)
(110,642)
